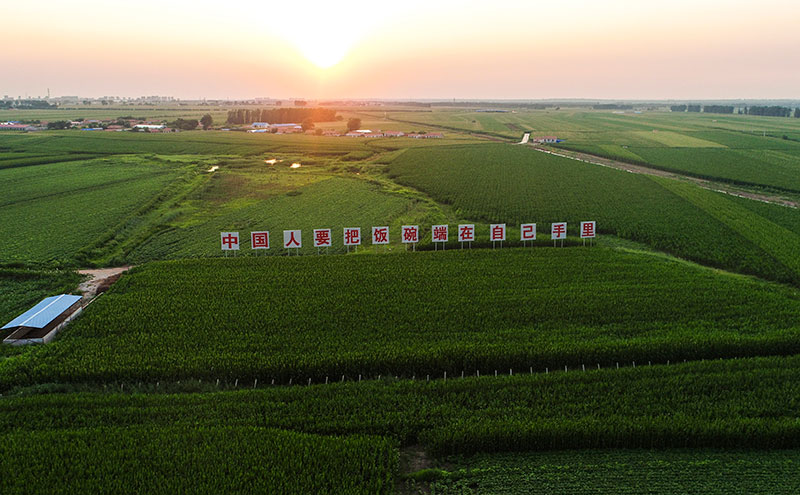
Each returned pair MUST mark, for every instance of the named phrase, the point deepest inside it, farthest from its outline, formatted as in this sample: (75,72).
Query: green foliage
(51,211)
(207,460)
(499,183)
(621,472)
(732,404)
(417,313)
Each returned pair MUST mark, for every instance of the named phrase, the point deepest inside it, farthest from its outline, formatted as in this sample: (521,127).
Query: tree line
(280,115)
(772,111)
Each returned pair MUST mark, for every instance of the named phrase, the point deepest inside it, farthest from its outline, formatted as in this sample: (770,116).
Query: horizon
(511,50)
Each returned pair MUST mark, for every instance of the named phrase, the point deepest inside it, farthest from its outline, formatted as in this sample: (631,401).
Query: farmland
(497,183)
(625,472)
(663,358)
(312,317)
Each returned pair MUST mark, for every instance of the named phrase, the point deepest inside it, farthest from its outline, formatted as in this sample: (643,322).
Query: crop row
(718,472)
(209,460)
(425,313)
(503,183)
(733,404)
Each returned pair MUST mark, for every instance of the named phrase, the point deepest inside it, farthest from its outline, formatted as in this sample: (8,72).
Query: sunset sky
(679,49)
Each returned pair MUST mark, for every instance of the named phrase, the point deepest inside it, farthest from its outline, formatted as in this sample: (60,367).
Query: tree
(59,124)
(353,124)
(184,124)
(797,113)
(206,121)
(308,124)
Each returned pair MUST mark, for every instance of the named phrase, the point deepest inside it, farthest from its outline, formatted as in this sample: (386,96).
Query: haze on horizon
(507,49)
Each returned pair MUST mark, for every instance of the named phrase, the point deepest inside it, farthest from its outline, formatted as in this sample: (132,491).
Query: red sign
(558,230)
(439,233)
(352,236)
(380,235)
(230,241)
(588,230)
(498,232)
(410,234)
(292,239)
(466,233)
(527,232)
(322,237)
(259,240)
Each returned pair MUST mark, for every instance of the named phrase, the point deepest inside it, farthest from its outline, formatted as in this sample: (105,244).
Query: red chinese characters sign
(410,234)
(230,241)
(439,233)
(352,236)
(497,232)
(292,239)
(588,230)
(259,240)
(380,235)
(466,233)
(322,238)
(527,232)
(558,230)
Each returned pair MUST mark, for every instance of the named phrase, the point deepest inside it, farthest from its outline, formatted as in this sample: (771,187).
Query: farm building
(394,133)
(149,126)
(40,324)
(545,139)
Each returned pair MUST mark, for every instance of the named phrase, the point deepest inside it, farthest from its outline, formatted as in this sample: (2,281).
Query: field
(626,472)
(312,317)
(500,183)
(660,358)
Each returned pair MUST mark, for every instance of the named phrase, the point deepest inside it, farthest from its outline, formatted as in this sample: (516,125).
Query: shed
(40,324)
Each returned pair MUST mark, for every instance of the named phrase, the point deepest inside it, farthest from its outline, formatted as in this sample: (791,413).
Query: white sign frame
(594,230)
(259,233)
(446,233)
(350,229)
(553,235)
(376,229)
(317,244)
(492,227)
(288,235)
(231,245)
(461,237)
(406,228)
(522,228)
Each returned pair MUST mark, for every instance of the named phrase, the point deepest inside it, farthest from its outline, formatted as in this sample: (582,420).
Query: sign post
(527,232)
(292,239)
(411,236)
(380,236)
(322,239)
(439,235)
(497,233)
(352,237)
(259,239)
(230,242)
(588,231)
(558,231)
(466,233)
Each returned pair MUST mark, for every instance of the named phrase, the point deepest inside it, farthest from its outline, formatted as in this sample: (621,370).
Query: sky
(410,49)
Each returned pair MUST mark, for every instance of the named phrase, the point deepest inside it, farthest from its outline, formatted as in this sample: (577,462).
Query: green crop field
(669,346)
(747,403)
(501,183)
(657,472)
(311,317)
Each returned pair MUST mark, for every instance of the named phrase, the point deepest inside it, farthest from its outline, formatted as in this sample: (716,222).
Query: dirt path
(99,280)
(640,169)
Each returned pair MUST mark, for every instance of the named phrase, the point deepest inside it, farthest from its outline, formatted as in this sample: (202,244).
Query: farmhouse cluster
(410,234)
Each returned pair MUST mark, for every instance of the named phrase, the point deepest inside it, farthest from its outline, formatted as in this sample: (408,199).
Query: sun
(323,53)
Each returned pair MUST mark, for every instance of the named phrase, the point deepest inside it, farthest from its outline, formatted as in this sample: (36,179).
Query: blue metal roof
(43,313)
